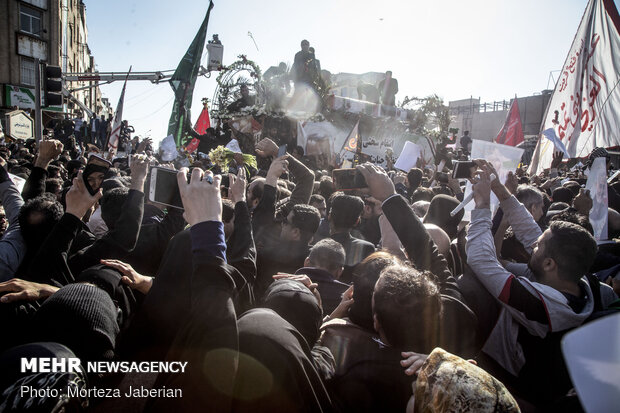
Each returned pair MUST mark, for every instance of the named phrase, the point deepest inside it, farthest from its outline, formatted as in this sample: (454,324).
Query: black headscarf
(81,316)
(439,214)
(297,305)
(275,373)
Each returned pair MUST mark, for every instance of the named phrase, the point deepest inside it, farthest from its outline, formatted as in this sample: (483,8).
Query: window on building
(29,20)
(27,71)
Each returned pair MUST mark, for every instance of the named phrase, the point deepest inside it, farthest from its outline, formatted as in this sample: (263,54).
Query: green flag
(182,83)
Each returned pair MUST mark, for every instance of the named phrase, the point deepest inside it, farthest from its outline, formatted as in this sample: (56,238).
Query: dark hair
(414,176)
(422,194)
(442,189)
(53,170)
(327,254)
(37,218)
(307,219)
(345,211)
(300,150)
(52,185)
(316,198)
(573,186)
(112,203)
(528,196)
(562,194)
(365,277)
(572,248)
(574,217)
(407,304)
(558,206)
(228,210)
(326,187)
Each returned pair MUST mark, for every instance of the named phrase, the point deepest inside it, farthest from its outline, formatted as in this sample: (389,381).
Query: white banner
(118,121)
(597,185)
(584,109)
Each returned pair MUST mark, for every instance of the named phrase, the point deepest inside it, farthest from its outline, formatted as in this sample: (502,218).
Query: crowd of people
(283,292)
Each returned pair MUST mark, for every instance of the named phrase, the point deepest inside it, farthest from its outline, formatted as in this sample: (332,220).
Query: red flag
(203,121)
(192,146)
(512,132)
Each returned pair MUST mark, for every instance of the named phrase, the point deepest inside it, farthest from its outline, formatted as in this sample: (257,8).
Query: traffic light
(52,85)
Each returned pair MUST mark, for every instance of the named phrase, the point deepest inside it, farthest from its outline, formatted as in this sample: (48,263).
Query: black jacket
(330,289)
(355,250)
(53,263)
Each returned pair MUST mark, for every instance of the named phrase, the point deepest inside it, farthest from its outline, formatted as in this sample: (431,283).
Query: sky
(487,49)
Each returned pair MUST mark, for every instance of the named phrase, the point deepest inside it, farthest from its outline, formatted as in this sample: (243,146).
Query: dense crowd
(283,293)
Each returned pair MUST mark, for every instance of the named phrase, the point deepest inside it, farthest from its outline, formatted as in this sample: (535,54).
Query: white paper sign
(597,184)
(504,159)
(233,145)
(169,149)
(592,356)
(408,157)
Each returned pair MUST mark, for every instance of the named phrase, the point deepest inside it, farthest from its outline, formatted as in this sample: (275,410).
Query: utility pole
(38,118)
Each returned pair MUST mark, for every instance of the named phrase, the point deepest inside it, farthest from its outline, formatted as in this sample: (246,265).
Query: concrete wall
(486,125)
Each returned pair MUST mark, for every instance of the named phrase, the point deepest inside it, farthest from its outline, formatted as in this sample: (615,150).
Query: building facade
(55,32)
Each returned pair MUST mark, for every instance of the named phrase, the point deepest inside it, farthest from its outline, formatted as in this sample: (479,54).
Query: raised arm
(518,296)
(123,237)
(35,184)
(264,213)
(420,248)
(50,264)
(241,249)
(210,330)
(304,177)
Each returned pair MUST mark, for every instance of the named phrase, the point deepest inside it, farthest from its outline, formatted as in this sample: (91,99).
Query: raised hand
(78,199)
(48,151)
(237,186)
(276,169)
(139,167)
(266,147)
(201,198)
(379,183)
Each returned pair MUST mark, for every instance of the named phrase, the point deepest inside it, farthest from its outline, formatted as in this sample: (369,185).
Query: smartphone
(281,151)
(348,179)
(164,187)
(463,169)
(95,164)
(95,159)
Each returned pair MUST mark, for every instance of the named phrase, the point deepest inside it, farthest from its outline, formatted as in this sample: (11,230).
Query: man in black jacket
(344,215)
(324,266)
(53,264)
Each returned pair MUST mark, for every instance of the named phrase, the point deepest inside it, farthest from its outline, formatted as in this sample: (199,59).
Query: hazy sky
(492,49)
